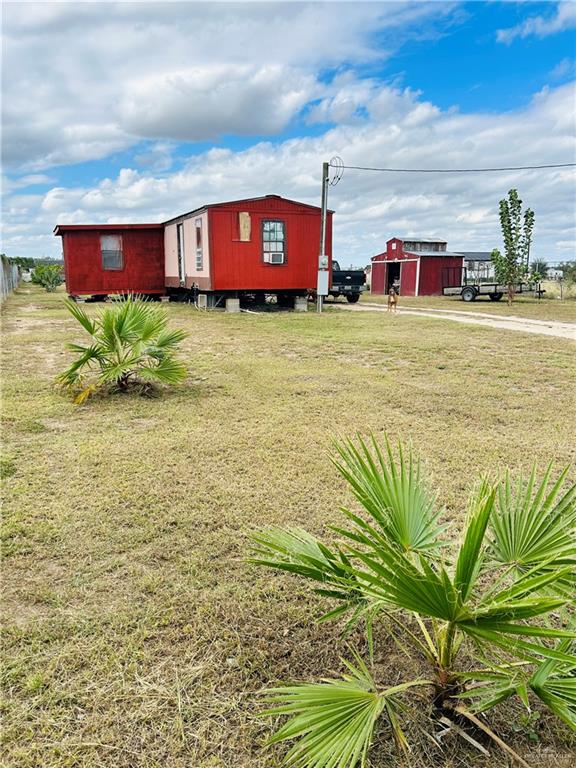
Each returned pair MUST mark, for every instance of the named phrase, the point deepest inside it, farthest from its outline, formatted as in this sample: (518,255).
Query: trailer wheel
(352,298)
(468,294)
(495,296)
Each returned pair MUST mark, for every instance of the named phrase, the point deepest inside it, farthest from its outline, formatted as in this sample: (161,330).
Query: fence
(9,276)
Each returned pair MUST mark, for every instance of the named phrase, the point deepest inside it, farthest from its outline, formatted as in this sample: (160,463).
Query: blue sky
(468,68)
(137,111)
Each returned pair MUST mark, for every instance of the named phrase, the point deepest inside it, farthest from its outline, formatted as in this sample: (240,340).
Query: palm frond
(490,694)
(470,557)
(393,493)
(297,551)
(515,646)
(113,371)
(74,372)
(554,682)
(334,720)
(166,371)
(79,314)
(84,394)
(169,339)
(390,576)
(535,523)
(385,575)
(532,581)
(154,326)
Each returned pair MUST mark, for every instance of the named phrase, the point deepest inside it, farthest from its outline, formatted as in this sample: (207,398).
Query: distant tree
(27,262)
(23,261)
(539,267)
(511,266)
(568,269)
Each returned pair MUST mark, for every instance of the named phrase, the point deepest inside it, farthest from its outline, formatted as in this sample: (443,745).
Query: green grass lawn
(135,633)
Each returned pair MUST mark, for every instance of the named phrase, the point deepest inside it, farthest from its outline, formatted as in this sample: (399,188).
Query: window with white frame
(111,250)
(273,242)
(199,248)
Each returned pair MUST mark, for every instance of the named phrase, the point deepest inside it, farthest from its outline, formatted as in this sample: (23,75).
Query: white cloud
(205,102)
(541,26)
(564,69)
(370,207)
(85,80)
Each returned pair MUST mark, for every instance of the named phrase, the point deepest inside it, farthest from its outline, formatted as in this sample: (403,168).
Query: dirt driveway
(541,327)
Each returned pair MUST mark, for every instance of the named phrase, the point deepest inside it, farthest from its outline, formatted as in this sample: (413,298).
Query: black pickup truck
(347,282)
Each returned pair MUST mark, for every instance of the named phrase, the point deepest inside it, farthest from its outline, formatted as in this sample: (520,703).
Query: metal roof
(86,227)
(79,227)
(432,253)
(418,240)
(477,255)
(437,254)
(244,200)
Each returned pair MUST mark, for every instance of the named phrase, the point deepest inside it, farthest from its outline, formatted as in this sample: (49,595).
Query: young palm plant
(131,347)
(489,617)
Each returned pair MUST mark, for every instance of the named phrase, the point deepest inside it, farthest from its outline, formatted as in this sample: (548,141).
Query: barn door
(181,263)
(408,278)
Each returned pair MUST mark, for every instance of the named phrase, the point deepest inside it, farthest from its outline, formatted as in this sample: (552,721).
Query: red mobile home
(264,244)
(421,267)
(101,259)
(254,246)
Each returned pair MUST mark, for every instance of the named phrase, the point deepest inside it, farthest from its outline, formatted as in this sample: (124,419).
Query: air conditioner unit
(277,258)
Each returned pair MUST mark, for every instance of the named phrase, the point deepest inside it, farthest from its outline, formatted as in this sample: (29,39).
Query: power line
(457,170)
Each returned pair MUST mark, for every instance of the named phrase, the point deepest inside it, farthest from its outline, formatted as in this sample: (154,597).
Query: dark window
(111,248)
(273,242)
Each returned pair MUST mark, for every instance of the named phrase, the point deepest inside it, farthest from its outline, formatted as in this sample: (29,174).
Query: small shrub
(131,349)
(483,619)
(49,276)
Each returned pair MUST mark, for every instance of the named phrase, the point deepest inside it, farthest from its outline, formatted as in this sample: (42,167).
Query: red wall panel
(431,273)
(143,255)
(378,277)
(239,266)
(408,278)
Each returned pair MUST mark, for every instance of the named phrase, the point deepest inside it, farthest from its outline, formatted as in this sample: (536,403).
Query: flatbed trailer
(456,283)
(494,291)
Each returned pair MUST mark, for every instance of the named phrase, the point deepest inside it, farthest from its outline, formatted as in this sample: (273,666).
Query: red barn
(263,244)
(254,246)
(420,267)
(101,259)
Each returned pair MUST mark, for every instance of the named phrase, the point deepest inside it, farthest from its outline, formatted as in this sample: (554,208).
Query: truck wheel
(352,298)
(468,294)
(495,296)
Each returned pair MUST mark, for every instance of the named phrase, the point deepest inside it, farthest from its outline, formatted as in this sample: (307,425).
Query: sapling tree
(511,267)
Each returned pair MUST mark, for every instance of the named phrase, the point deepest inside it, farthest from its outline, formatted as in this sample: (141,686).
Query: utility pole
(322,283)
